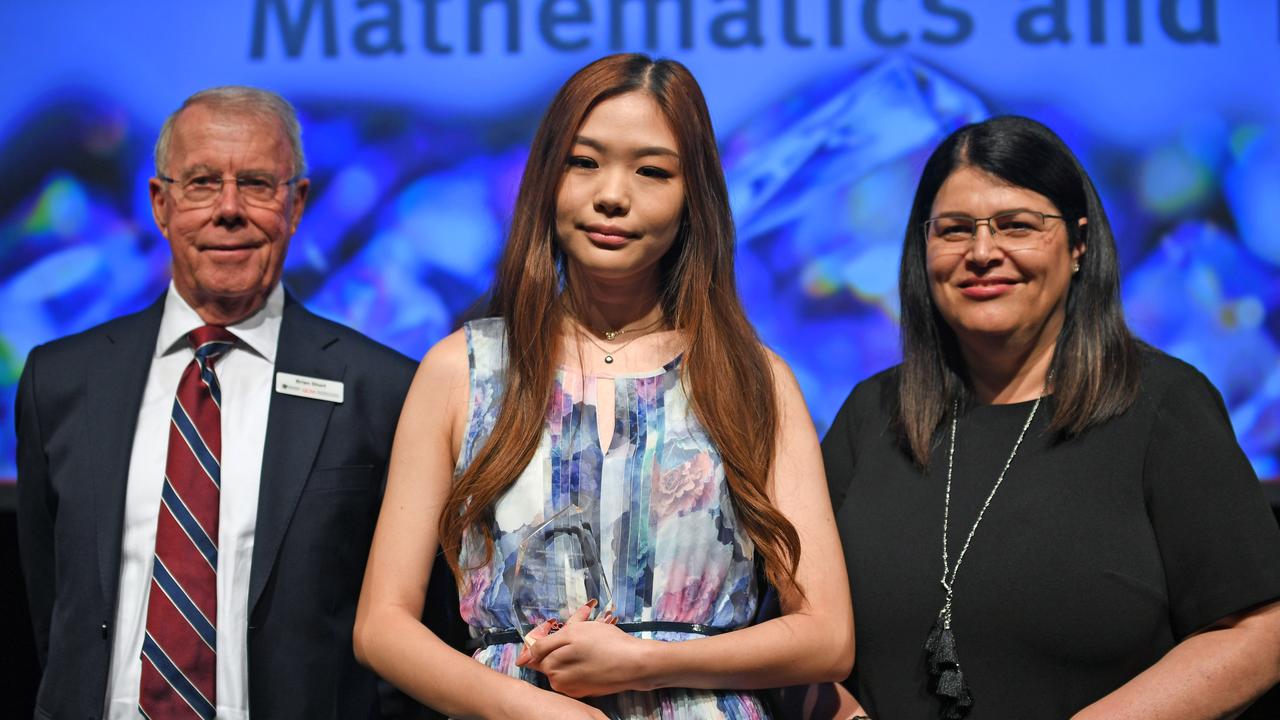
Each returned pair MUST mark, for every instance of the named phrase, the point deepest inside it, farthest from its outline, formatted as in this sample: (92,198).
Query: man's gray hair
(239,99)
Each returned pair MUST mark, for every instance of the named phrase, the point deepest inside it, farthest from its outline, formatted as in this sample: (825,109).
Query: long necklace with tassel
(948,681)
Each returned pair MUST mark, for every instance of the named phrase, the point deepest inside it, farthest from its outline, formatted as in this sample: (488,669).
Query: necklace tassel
(947,679)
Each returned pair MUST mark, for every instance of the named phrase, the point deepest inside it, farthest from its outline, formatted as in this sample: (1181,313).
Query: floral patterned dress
(669,540)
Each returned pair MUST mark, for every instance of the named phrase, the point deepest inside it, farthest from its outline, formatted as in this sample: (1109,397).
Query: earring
(1075,267)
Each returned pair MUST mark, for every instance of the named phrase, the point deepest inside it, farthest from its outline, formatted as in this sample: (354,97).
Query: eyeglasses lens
(203,191)
(1011,231)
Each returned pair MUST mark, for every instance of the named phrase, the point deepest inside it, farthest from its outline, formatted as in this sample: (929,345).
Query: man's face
(228,244)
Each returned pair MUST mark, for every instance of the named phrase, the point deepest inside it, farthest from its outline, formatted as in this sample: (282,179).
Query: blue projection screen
(417,117)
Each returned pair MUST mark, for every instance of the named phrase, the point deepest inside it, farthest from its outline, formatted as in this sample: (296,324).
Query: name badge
(309,387)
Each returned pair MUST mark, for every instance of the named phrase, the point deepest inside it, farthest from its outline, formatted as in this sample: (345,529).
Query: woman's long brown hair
(725,369)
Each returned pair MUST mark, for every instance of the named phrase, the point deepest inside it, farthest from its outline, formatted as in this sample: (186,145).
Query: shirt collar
(259,332)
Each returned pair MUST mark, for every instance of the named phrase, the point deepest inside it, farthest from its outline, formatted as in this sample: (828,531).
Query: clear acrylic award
(557,571)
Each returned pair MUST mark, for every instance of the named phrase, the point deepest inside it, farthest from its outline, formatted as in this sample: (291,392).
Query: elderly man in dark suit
(198,482)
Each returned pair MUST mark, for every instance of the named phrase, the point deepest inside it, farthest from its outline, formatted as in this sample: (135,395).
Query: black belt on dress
(494,636)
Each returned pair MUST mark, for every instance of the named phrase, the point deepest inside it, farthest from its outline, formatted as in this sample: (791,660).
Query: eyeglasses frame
(995,233)
(222,179)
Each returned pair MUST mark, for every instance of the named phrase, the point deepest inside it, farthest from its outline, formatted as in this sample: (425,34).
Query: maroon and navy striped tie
(179,656)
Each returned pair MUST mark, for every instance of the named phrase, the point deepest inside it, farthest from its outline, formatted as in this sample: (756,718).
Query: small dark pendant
(608,359)
(944,668)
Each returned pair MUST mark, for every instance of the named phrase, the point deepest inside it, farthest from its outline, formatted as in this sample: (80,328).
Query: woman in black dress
(1043,517)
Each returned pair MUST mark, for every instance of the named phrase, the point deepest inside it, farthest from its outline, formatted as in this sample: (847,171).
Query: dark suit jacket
(322,471)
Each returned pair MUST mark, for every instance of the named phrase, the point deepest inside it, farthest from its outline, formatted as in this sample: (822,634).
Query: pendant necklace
(608,354)
(611,334)
(940,648)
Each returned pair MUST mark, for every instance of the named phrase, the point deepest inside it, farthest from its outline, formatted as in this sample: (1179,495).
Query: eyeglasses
(1015,230)
(204,190)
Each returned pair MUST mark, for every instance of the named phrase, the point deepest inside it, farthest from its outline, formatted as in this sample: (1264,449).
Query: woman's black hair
(1096,363)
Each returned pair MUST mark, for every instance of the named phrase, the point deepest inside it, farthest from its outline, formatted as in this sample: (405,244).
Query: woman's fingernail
(592,603)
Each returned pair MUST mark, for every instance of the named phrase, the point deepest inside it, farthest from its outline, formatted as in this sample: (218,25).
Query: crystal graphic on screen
(820,188)
(557,571)
(408,209)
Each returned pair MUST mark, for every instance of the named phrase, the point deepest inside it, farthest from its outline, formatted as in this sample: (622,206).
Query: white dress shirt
(245,374)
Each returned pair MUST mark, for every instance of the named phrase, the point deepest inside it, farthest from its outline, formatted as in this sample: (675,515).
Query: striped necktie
(179,657)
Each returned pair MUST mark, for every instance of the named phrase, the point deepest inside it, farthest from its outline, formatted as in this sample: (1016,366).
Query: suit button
(104,631)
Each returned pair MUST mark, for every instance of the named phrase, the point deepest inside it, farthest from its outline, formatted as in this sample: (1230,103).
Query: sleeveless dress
(668,538)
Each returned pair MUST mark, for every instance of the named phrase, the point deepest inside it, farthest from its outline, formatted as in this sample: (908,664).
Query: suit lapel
(117,378)
(295,427)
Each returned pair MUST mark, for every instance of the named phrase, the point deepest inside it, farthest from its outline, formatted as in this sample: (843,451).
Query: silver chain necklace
(944,666)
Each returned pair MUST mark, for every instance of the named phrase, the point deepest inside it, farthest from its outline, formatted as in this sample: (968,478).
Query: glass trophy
(557,570)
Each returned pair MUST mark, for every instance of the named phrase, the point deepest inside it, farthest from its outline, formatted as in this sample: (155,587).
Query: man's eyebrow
(199,169)
(204,169)
(639,152)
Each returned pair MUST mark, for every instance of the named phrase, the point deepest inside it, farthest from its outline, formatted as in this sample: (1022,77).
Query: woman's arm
(1215,673)
(389,638)
(811,642)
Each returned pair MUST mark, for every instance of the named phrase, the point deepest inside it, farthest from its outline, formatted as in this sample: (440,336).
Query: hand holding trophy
(557,575)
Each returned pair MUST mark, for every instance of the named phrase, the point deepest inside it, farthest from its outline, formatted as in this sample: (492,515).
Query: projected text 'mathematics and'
(372,28)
